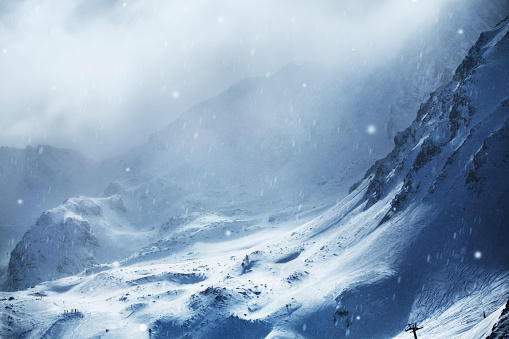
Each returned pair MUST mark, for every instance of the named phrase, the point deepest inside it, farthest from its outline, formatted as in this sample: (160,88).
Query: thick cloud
(100,76)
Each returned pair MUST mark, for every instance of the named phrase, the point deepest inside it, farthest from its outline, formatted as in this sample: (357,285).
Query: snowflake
(371,129)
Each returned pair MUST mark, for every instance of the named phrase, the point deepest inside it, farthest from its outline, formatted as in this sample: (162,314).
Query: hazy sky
(100,76)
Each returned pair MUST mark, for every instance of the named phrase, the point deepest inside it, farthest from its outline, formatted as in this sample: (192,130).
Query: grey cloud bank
(100,76)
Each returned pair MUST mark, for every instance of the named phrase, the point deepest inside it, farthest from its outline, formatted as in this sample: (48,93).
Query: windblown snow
(421,238)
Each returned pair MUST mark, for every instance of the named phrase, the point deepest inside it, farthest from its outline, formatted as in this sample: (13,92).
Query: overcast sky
(100,76)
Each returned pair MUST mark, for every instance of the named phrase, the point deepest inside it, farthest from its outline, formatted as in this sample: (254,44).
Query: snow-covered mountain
(35,179)
(422,238)
(290,138)
(426,61)
(66,240)
(295,136)
(260,142)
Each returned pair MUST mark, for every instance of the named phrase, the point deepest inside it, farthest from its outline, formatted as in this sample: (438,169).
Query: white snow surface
(274,274)
(399,248)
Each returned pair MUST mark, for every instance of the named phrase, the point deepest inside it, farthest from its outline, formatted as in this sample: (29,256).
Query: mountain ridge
(421,238)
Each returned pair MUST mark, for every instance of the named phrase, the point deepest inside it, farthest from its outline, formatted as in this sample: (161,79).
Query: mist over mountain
(292,129)
(312,202)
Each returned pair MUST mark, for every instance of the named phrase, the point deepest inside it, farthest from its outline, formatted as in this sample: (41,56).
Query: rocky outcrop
(501,328)
(459,123)
(65,241)
(54,247)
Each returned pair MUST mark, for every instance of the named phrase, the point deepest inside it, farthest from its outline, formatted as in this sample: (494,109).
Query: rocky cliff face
(70,238)
(456,125)
(501,329)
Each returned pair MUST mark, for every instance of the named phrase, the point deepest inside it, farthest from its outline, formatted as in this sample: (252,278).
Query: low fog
(101,76)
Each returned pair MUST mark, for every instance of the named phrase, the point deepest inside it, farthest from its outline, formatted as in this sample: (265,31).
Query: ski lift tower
(413,327)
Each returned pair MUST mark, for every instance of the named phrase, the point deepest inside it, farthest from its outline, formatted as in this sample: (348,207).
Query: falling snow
(274,198)
(371,129)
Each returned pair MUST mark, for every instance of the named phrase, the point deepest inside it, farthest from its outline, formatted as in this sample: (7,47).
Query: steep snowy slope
(454,158)
(422,238)
(501,328)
